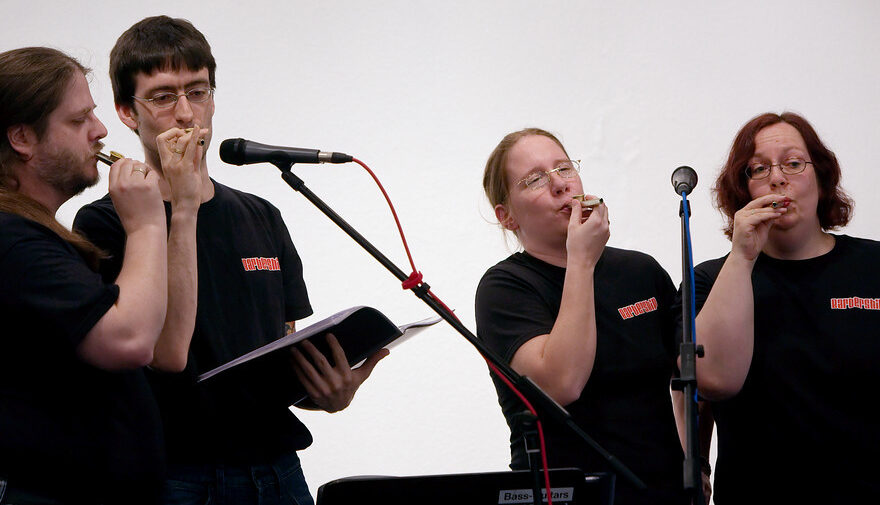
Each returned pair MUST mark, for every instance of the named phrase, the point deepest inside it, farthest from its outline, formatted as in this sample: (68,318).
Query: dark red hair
(732,186)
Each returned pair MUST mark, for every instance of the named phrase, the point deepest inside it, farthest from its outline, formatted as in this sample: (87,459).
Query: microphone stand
(542,402)
(688,351)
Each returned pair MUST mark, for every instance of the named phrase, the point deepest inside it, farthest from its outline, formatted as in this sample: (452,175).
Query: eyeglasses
(536,180)
(791,166)
(164,100)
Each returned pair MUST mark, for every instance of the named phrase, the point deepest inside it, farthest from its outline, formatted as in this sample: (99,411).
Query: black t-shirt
(625,406)
(67,429)
(803,428)
(249,284)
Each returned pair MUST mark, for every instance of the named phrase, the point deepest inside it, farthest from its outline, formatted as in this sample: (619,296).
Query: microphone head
(232,151)
(684,180)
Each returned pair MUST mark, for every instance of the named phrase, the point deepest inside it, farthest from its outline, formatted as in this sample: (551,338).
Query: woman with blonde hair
(590,324)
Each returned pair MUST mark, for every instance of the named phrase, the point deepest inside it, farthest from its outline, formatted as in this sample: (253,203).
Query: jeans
(280,482)
(13,496)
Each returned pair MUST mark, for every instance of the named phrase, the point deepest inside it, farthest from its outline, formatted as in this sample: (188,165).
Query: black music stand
(570,487)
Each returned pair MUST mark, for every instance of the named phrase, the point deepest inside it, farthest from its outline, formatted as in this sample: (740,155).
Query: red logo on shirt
(638,308)
(251,264)
(854,302)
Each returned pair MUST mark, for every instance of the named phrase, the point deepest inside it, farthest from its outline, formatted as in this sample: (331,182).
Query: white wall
(422,91)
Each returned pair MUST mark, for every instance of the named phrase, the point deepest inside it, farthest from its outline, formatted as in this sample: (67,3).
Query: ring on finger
(139,169)
(178,151)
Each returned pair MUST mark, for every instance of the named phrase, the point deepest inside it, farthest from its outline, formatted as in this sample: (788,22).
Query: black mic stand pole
(542,402)
(687,382)
(528,423)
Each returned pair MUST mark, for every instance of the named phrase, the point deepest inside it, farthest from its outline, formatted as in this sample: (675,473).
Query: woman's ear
(505,217)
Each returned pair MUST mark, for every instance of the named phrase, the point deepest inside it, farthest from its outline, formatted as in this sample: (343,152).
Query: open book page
(361,331)
(407,331)
(410,330)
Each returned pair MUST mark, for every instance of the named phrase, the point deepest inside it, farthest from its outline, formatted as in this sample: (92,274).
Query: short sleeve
(704,278)
(100,224)
(296,296)
(48,288)
(667,301)
(510,312)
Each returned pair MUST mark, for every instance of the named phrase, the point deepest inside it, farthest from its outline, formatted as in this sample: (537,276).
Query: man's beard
(62,169)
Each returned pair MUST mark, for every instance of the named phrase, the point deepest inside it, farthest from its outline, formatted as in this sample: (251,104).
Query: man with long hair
(77,423)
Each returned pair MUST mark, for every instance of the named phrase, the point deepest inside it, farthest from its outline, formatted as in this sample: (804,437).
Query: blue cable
(690,271)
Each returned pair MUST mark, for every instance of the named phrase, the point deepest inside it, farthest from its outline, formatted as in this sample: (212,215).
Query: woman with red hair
(790,325)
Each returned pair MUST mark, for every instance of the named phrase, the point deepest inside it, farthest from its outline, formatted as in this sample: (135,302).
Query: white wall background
(422,92)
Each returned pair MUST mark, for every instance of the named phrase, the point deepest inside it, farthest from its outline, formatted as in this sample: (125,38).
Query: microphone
(684,180)
(245,152)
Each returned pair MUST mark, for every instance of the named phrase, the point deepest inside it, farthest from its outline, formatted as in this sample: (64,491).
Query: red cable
(393,213)
(540,427)
(414,280)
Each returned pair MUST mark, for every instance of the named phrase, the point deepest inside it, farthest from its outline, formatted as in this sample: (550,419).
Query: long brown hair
(33,81)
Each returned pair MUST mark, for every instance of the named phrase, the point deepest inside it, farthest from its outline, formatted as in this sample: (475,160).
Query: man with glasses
(226,443)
